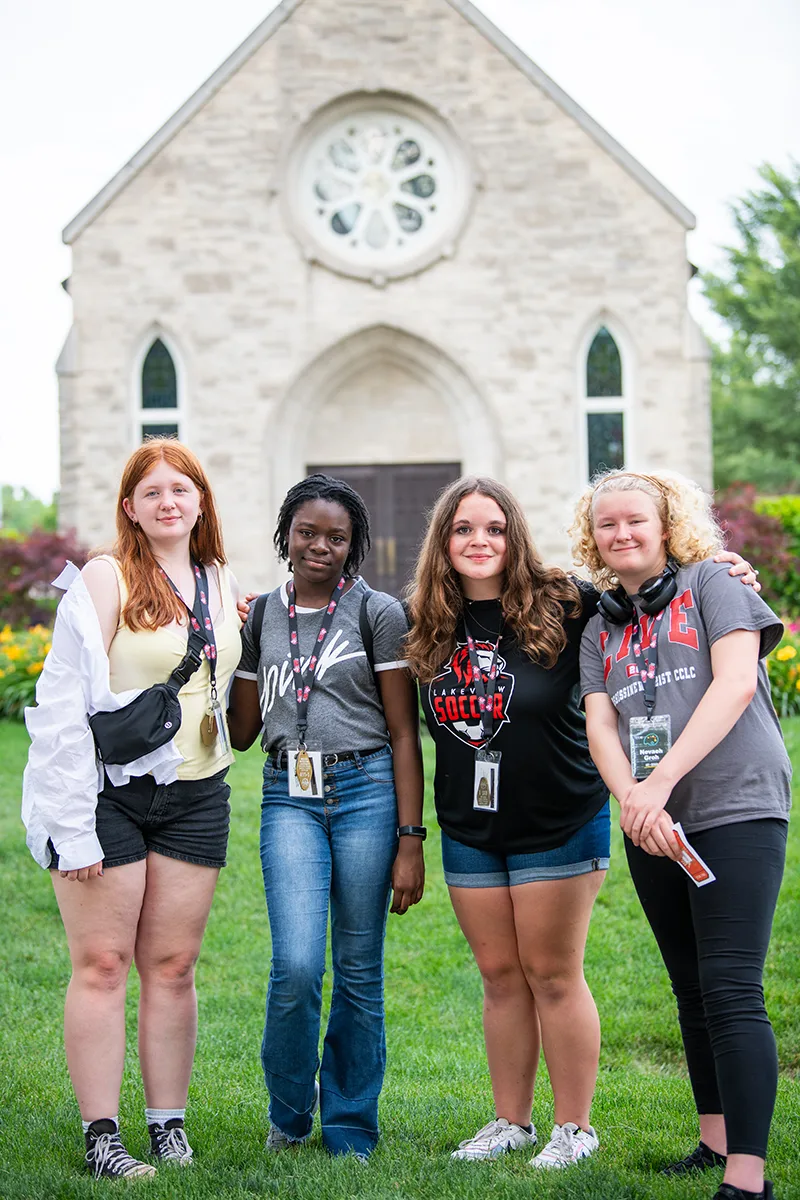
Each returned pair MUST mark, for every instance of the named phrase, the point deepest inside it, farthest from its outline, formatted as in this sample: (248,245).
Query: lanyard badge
(212,726)
(305,763)
(650,737)
(486,785)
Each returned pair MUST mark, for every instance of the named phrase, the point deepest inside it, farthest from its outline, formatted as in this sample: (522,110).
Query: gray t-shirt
(344,709)
(747,775)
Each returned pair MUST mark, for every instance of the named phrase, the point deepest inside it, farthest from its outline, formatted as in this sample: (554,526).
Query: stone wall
(560,238)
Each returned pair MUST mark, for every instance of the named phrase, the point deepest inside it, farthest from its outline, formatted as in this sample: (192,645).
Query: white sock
(160,1116)
(86,1124)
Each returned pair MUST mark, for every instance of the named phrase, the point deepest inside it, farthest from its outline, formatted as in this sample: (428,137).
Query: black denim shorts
(188,819)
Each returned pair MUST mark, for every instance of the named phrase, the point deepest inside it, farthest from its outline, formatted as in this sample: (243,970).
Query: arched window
(605,402)
(159,399)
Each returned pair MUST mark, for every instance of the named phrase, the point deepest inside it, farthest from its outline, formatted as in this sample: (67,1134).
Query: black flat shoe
(728,1192)
(700,1159)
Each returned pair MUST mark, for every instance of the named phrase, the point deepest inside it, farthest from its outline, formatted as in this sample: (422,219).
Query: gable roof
(274,21)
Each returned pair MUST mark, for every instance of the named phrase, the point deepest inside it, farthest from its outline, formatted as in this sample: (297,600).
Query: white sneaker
(278,1140)
(495,1138)
(568,1144)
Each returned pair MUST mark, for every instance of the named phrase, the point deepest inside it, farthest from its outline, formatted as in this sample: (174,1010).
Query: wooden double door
(399,498)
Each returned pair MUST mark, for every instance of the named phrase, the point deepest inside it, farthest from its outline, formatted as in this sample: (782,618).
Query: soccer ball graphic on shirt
(453,700)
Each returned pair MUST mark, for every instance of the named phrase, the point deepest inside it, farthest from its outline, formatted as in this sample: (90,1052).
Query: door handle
(380,548)
(391,555)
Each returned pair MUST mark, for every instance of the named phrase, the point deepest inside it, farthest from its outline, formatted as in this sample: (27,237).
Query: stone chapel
(381,242)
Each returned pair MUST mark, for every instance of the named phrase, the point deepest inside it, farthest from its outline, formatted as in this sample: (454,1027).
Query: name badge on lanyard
(212,725)
(305,773)
(650,737)
(305,763)
(486,786)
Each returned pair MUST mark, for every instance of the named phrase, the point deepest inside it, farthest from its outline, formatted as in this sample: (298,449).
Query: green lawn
(437,1088)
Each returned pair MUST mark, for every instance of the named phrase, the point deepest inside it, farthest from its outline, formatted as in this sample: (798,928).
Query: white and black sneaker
(494,1139)
(568,1144)
(107,1158)
(278,1140)
(168,1142)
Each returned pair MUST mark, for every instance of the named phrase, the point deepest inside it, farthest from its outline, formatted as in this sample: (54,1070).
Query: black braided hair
(323,487)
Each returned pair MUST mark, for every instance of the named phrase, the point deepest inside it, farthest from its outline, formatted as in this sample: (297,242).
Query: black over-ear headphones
(654,594)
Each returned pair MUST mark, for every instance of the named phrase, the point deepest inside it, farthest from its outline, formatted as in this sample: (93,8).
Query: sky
(700,91)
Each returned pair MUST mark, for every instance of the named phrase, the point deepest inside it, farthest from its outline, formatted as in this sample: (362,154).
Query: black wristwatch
(413,830)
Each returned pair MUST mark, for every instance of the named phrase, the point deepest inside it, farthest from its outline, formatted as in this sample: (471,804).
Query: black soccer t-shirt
(549,786)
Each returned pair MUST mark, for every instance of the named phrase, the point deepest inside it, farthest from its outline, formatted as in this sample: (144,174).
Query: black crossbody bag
(154,717)
(149,721)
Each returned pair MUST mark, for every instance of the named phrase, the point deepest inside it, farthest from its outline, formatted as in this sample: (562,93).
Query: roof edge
(273,22)
(178,119)
(604,139)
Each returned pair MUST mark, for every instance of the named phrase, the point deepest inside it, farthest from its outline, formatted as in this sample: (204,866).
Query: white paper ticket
(699,872)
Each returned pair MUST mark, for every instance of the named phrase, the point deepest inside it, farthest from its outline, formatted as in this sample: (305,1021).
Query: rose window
(380,192)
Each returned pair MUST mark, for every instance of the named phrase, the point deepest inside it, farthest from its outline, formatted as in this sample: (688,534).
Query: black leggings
(714,940)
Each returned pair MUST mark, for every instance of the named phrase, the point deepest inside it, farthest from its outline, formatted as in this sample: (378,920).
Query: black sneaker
(728,1192)
(107,1158)
(701,1159)
(168,1142)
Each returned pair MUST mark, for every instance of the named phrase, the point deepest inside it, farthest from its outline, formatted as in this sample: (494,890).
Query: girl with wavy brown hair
(134,852)
(524,814)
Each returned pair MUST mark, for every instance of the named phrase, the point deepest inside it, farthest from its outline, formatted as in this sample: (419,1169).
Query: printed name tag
(651,738)
(487,780)
(305,773)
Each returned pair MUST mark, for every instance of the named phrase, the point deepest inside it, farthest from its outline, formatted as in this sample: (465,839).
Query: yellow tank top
(140,659)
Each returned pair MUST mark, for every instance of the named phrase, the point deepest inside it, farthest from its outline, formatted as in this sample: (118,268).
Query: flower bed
(22,655)
(783,667)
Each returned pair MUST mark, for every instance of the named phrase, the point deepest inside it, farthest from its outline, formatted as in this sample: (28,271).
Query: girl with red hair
(134,851)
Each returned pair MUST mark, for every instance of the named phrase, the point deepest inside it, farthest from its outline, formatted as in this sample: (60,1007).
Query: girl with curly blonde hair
(682,729)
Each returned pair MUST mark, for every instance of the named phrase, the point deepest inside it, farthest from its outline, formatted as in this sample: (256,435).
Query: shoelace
(172,1144)
(489,1137)
(108,1153)
(561,1142)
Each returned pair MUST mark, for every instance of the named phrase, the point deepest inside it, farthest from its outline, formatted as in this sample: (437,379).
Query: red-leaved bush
(27,568)
(763,540)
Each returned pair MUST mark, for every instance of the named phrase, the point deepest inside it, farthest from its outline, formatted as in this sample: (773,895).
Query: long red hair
(151,601)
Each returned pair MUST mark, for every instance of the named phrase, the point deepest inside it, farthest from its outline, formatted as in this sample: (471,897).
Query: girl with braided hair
(341,811)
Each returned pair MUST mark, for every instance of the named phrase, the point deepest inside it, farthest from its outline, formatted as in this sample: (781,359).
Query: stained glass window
(606,441)
(603,366)
(159,383)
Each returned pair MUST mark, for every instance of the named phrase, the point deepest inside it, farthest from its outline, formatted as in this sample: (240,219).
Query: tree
(756,376)
(22,512)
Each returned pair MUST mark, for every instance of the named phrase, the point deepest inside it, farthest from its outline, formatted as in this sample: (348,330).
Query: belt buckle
(331,760)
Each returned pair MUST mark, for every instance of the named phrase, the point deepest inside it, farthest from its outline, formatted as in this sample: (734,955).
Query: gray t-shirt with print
(747,775)
(344,708)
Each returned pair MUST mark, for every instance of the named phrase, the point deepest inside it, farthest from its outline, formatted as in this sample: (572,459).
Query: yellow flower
(2,672)
(48,646)
(13,653)
(785,653)
(35,668)
(797,685)
(5,634)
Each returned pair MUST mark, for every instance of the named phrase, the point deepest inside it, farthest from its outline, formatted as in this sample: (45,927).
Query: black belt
(280,757)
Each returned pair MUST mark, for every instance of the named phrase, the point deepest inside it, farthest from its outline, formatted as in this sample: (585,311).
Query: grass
(437,1087)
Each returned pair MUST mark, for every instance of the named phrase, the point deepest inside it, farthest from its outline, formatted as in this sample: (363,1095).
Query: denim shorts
(587,850)
(187,820)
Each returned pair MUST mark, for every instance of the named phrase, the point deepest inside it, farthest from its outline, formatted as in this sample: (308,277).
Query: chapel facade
(379,241)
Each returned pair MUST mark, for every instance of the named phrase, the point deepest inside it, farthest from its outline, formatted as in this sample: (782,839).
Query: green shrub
(783,668)
(787,511)
(22,655)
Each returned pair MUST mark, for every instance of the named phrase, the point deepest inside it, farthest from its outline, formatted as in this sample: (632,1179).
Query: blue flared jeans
(336,855)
